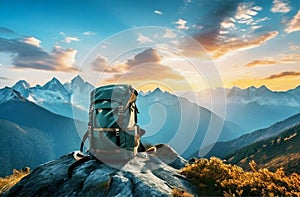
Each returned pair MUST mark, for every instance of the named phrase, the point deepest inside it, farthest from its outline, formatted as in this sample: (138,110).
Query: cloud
(294,47)
(144,66)
(32,40)
(260,62)
(158,12)
(147,56)
(4,78)
(28,54)
(228,23)
(294,24)
(238,45)
(209,35)
(283,58)
(169,34)
(254,27)
(284,74)
(181,24)
(6,31)
(280,6)
(246,12)
(290,58)
(88,33)
(70,39)
(147,72)
(100,64)
(143,39)
(64,58)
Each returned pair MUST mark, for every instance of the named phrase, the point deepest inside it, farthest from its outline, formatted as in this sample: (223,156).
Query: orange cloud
(260,62)
(284,58)
(100,64)
(294,24)
(284,74)
(238,45)
(64,58)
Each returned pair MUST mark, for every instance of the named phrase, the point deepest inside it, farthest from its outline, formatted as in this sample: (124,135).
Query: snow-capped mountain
(22,87)
(157,95)
(70,100)
(8,94)
(80,92)
(264,96)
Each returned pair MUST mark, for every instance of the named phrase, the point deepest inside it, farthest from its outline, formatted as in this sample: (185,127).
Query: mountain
(9,94)
(22,87)
(141,176)
(55,86)
(80,92)
(57,98)
(260,107)
(64,131)
(272,153)
(23,146)
(169,119)
(223,149)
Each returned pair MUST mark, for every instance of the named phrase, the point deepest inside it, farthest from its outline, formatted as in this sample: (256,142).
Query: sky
(177,45)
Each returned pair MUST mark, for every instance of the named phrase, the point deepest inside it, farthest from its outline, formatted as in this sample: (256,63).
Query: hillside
(168,119)
(280,151)
(64,131)
(23,146)
(223,149)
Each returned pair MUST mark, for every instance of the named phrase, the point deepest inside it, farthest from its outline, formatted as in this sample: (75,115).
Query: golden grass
(214,177)
(181,193)
(9,181)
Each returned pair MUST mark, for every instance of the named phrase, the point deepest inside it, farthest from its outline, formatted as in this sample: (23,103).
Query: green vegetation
(214,177)
(8,182)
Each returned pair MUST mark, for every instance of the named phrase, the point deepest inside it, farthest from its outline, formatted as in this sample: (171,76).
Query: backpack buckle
(120,110)
(117,133)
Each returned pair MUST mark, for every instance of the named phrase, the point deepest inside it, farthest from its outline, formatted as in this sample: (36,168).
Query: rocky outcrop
(143,175)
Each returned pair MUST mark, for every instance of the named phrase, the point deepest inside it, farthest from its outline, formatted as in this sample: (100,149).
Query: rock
(143,175)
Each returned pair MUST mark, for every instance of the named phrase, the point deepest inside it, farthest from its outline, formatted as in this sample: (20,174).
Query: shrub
(214,177)
(8,182)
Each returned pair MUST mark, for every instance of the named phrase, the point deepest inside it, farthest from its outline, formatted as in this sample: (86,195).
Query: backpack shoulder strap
(85,136)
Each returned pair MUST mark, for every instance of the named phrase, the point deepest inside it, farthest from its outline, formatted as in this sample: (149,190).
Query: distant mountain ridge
(283,150)
(223,149)
(252,108)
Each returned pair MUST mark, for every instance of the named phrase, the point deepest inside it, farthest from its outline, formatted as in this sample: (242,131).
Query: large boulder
(143,175)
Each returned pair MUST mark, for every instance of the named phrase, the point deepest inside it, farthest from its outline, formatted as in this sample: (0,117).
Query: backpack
(113,132)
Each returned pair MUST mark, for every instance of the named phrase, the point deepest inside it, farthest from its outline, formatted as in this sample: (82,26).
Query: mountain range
(251,108)
(58,112)
(225,149)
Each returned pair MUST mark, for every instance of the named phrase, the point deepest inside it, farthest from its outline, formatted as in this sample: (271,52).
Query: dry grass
(181,193)
(8,182)
(214,177)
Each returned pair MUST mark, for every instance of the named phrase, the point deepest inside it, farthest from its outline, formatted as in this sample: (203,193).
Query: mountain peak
(8,94)
(54,82)
(77,78)
(21,84)
(265,88)
(22,87)
(157,90)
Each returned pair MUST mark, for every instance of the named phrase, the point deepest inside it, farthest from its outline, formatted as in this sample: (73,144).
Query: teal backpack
(113,132)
